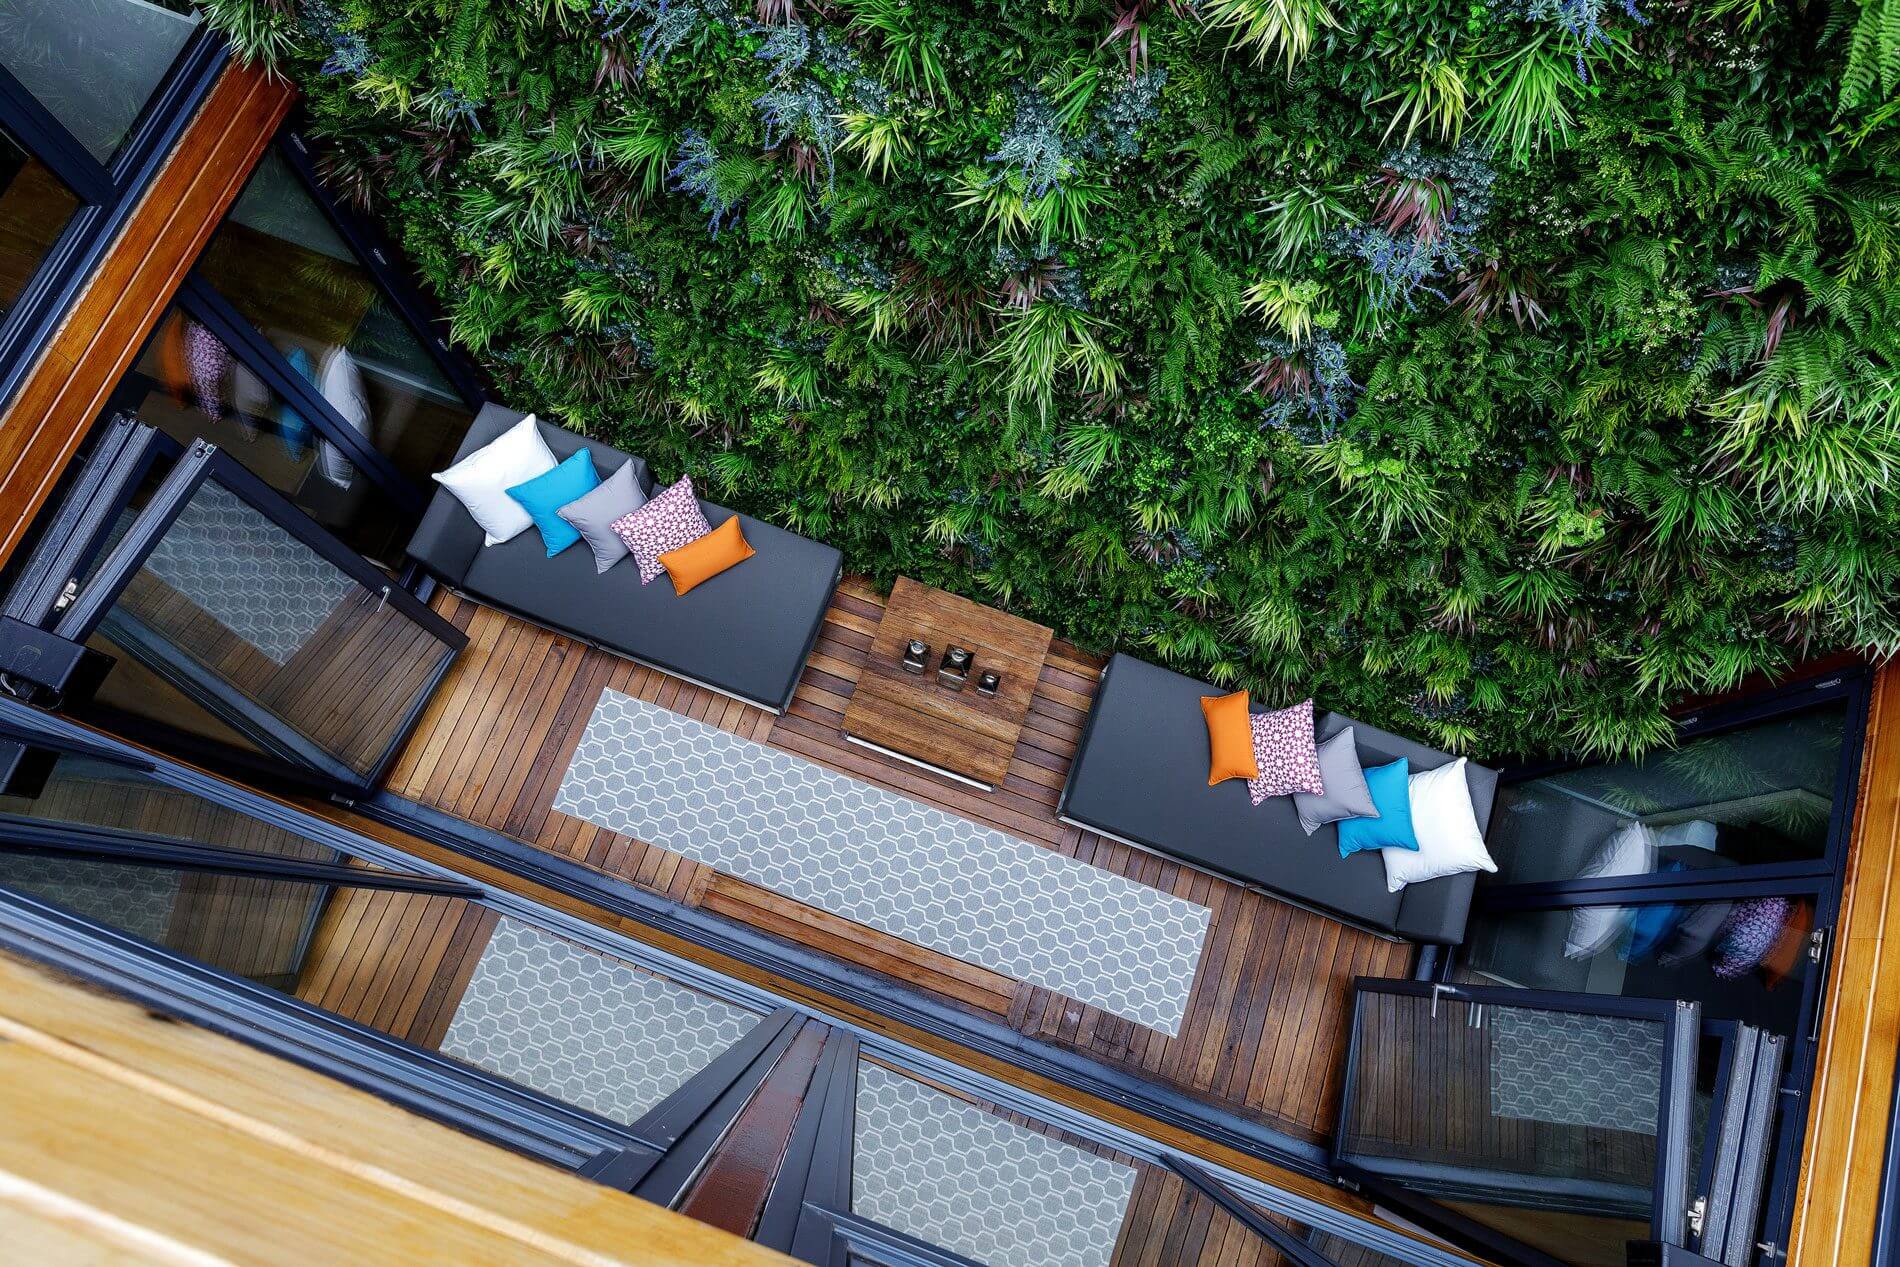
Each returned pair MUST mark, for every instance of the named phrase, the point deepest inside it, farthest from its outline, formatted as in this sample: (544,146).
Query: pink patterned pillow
(1283,748)
(670,519)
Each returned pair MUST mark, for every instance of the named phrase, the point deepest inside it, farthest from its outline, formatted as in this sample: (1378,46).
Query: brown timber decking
(1266,1023)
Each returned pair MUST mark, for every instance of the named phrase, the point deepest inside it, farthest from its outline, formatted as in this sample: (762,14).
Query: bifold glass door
(1533,1126)
(231,617)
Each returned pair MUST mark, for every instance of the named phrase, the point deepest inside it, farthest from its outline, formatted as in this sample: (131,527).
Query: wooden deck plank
(1265,1023)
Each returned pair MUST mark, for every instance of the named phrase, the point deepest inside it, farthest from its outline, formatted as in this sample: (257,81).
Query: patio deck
(1266,1023)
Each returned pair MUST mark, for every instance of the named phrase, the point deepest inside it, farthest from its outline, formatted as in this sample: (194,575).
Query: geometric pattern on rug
(584,1029)
(1574,1069)
(944,1171)
(137,900)
(880,859)
(251,576)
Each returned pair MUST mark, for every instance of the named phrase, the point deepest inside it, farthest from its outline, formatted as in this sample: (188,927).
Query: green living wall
(1495,370)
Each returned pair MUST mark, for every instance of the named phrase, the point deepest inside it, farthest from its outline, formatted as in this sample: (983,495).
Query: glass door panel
(1742,959)
(35,208)
(1759,794)
(250,926)
(1557,1121)
(94,63)
(997,1188)
(223,594)
(83,791)
(280,262)
(192,386)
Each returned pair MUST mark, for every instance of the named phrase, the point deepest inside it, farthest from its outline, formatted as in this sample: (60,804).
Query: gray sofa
(1140,775)
(746,632)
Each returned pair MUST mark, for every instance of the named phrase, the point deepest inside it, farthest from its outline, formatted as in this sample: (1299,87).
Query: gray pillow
(593,513)
(1346,794)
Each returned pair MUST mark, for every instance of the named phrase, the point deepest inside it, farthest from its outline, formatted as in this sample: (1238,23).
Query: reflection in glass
(273,637)
(1539,1123)
(189,385)
(281,263)
(1761,793)
(34,210)
(254,928)
(1743,960)
(91,793)
(94,63)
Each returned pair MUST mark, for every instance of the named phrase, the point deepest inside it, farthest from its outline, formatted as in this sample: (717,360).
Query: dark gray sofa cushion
(1141,774)
(448,538)
(746,631)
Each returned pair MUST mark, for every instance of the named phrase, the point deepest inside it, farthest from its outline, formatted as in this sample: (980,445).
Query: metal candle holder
(915,655)
(955,669)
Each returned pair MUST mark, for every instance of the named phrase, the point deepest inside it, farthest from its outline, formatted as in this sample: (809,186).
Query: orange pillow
(707,557)
(1229,738)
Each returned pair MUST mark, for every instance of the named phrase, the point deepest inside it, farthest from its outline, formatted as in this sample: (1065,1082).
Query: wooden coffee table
(962,734)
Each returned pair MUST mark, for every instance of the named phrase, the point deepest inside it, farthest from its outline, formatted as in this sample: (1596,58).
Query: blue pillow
(547,492)
(1655,924)
(1392,829)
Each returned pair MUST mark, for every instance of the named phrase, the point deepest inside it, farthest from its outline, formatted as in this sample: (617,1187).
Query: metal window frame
(1852,685)
(52,838)
(201,300)
(203,463)
(1824,878)
(384,261)
(680,1131)
(75,534)
(1295,1251)
(1682,1026)
(108,192)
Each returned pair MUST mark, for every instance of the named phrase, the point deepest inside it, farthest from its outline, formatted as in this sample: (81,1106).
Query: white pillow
(1630,850)
(342,385)
(1697,833)
(482,479)
(1449,841)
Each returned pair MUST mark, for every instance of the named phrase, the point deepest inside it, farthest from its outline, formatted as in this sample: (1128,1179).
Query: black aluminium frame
(108,192)
(814,1185)
(201,300)
(426,1082)
(1820,879)
(1669,1196)
(198,299)
(206,463)
(52,838)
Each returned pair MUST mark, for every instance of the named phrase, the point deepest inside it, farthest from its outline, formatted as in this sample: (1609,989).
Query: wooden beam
(129,1138)
(123,300)
(1837,1203)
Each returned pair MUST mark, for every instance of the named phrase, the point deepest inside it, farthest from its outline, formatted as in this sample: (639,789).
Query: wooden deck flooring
(1266,1022)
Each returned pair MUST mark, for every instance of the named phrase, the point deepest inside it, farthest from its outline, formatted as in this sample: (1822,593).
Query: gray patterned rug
(883,860)
(1573,1069)
(584,1029)
(255,579)
(945,1171)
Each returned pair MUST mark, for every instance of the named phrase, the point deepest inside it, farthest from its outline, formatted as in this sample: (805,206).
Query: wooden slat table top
(962,731)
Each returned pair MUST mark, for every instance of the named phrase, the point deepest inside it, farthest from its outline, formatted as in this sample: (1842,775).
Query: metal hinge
(1817,945)
(66,596)
(1698,1212)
